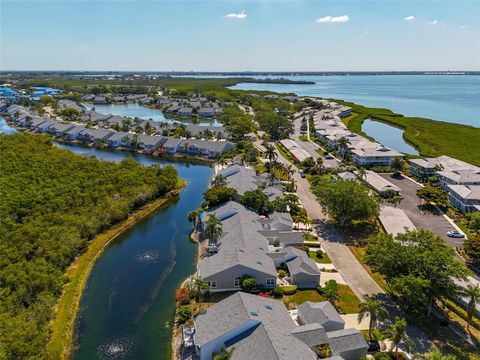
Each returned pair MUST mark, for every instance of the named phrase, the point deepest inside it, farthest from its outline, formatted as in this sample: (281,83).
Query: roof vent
(253,313)
(259,262)
(268,306)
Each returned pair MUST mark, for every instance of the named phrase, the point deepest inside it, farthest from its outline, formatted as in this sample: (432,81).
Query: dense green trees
(346,201)
(237,122)
(433,194)
(218,195)
(417,265)
(52,203)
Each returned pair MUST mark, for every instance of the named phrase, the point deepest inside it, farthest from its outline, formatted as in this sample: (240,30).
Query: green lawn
(324,259)
(348,302)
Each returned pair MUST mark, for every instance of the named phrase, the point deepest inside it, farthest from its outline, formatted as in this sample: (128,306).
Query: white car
(455,234)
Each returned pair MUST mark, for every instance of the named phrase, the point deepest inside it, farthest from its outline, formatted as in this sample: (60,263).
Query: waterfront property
(260,328)
(253,246)
(466,198)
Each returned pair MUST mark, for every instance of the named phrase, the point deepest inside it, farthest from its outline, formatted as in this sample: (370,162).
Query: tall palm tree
(375,310)
(473,293)
(342,144)
(397,333)
(200,288)
(270,152)
(362,173)
(213,228)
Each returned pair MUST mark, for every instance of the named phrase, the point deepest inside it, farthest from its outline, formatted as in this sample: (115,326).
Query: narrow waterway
(388,135)
(127,309)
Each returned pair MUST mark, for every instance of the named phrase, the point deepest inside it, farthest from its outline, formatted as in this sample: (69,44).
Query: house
(379,183)
(298,153)
(95,135)
(395,221)
(218,132)
(240,251)
(458,177)
(172,109)
(171,145)
(380,155)
(117,139)
(43,126)
(302,269)
(258,328)
(88,97)
(100,100)
(184,111)
(345,111)
(66,103)
(74,133)
(428,166)
(150,142)
(212,149)
(206,112)
(322,313)
(466,198)
(240,178)
(262,328)
(119,99)
(60,129)
(346,176)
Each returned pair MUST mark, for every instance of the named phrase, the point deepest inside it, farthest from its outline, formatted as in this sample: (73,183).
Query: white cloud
(434,22)
(241,15)
(409,18)
(334,19)
(463,27)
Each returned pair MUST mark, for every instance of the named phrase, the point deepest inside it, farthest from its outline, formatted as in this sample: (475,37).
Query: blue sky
(240,35)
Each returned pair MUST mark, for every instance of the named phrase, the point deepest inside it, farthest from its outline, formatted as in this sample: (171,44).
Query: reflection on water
(388,135)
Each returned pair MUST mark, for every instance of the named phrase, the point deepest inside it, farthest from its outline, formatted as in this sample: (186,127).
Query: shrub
(184,313)
(183,296)
(382,356)
(277,293)
(218,195)
(289,290)
(282,273)
(248,284)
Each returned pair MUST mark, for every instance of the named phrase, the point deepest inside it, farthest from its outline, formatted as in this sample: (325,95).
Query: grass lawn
(285,153)
(303,138)
(348,302)
(430,137)
(324,259)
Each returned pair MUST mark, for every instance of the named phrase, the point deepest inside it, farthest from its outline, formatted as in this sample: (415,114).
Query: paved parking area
(410,204)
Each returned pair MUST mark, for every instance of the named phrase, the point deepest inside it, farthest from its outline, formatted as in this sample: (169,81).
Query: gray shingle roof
(345,340)
(301,263)
(240,244)
(240,178)
(311,334)
(269,337)
(320,313)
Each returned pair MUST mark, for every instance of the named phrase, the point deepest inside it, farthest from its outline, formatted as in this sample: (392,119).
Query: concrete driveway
(411,205)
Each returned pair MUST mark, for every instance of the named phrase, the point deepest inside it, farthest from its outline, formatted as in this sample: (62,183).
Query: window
(270,282)
(212,284)
(237,282)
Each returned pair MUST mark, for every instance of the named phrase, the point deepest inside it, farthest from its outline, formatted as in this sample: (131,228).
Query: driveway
(411,205)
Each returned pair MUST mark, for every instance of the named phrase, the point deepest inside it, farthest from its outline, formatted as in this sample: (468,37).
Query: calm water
(127,309)
(135,110)
(452,98)
(5,128)
(388,135)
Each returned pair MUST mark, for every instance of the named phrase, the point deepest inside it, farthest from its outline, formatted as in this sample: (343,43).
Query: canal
(127,309)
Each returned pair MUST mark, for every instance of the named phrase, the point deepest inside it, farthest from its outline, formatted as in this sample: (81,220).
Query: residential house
(458,177)
(60,129)
(262,328)
(466,198)
(43,127)
(428,166)
(379,183)
(117,139)
(150,142)
(380,155)
(218,132)
(345,111)
(74,133)
(206,112)
(184,111)
(212,149)
(100,100)
(298,153)
(171,145)
(66,103)
(303,270)
(241,178)
(95,135)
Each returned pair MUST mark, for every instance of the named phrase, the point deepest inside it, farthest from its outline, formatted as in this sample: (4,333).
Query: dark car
(373,346)
(302,173)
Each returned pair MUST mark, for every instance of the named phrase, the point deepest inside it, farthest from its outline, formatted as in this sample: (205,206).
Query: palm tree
(473,293)
(272,178)
(342,144)
(200,288)
(270,152)
(330,292)
(220,181)
(396,333)
(213,228)
(375,310)
(362,173)
(289,171)
(396,165)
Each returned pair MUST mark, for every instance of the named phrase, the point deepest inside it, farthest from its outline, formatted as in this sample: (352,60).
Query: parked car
(455,234)
(302,173)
